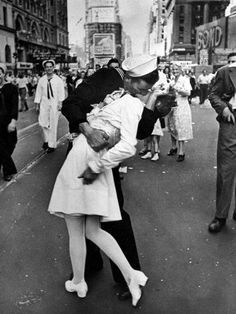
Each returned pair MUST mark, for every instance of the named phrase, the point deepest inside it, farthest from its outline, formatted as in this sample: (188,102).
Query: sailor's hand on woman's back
(97,139)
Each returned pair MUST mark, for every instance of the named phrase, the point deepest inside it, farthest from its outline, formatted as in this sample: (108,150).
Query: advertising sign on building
(203,60)
(100,3)
(211,35)
(102,15)
(104,44)
(24,65)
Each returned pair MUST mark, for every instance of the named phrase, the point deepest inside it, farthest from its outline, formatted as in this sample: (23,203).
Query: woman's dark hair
(150,78)
(20,75)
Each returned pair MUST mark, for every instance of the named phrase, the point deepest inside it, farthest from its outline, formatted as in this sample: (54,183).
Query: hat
(140,65)
(3,67)
(48,61)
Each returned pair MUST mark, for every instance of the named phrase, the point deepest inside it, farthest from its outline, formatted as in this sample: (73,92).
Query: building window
(181,10)
(4,16)
(52,19)
(181,34)
(52,36)
(27,5)
(46,35)
(8,54)
(51,2)
(34,30)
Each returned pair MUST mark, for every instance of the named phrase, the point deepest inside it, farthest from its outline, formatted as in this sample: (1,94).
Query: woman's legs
(108,245)
(173,149)
(181,147)
(111,248)
(155,142)
(181,155)
(173,142)
(149,148)
(77,246)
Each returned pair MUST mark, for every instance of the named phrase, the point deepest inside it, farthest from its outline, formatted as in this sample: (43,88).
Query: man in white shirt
(48,101)
(203,82)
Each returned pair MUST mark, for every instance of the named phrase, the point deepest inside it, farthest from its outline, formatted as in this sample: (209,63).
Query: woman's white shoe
(147,155)
(155,157)
(81,288)
(137,280)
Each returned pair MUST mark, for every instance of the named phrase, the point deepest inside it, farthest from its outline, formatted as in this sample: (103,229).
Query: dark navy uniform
(8,111)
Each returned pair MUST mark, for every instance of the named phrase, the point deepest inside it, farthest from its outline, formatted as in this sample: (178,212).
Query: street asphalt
(190,271)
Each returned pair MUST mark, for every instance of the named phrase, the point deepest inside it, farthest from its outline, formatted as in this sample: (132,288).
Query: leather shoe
(50,150)
(216,225)
(234,215)
(180,158)
(124,295)
(45,146)
(123,292)
(172,152)
(8,177)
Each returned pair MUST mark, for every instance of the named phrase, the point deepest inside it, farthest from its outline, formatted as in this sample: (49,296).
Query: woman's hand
(89,176)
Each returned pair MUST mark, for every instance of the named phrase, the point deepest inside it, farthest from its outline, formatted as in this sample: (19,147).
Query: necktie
(49,89)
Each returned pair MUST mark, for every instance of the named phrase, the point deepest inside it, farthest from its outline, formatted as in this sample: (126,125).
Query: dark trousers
(226,168)
(7,145)
(203,92)
(122,231)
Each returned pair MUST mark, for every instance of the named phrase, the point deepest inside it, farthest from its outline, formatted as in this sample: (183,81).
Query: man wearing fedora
(223,99)
(48,100)
(93,90)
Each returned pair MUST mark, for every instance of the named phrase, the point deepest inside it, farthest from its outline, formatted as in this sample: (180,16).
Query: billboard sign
(103,15)
(211,35)
(104,44)
(24,65)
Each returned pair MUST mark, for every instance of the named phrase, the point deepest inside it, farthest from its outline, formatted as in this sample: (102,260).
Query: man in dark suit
(223,99)
(93,90)
(8,118)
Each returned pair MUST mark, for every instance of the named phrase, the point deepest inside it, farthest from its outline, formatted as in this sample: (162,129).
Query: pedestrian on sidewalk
(8,118)
(84,192)
(179,120)
(49,95)
(22,83)
(203,82)
(223,99)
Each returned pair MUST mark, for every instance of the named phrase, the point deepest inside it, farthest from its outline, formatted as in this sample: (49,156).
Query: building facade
(7,34)
(40,31)
(215,40)
(182,17)
(103,31)
(156,31)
